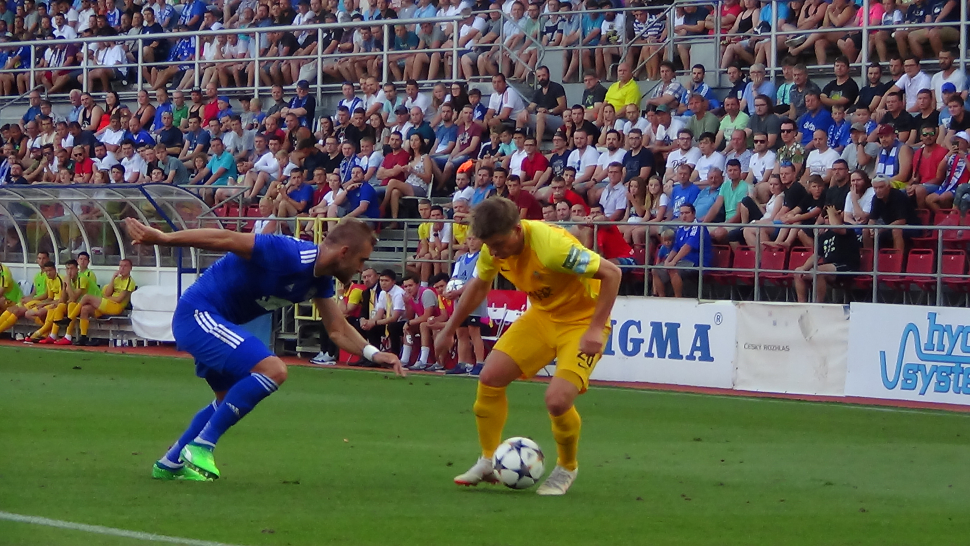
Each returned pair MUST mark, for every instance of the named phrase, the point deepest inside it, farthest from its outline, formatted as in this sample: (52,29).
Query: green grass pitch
(356,458)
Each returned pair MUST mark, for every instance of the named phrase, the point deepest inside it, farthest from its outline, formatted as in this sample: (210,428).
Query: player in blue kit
(261,273)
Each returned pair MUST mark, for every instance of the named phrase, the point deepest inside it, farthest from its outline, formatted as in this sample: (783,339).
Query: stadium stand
(275,118)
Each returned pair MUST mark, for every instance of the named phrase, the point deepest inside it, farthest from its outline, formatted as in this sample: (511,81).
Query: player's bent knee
(560,397)
(273,368)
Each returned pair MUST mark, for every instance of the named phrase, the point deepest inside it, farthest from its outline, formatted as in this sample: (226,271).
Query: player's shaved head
(352,241)
(351,232)
(495,216)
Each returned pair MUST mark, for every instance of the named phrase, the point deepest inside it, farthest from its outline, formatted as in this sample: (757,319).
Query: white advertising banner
(673,341)
(908,352)
(792,348)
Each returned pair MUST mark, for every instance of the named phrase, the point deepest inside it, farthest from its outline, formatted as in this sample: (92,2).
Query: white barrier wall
(674,341)
(894,352)
(909,353)
(792,348)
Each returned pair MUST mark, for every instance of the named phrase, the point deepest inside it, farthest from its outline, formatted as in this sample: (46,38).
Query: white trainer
(323,359)
(481,472)
(558,482)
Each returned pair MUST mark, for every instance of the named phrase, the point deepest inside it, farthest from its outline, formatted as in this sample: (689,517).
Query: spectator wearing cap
(895,159)
(948,74)
(302,105)
(948,90)
(401,120)
(859,153)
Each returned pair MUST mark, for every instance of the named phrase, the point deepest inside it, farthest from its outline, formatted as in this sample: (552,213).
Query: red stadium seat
(919,261)
(954,268)
(944,217)
(744,258)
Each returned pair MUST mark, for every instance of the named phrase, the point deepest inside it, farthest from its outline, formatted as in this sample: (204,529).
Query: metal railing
(197,61)
(756,283)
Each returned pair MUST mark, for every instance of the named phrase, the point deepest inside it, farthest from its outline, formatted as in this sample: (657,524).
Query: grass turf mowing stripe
(100,530)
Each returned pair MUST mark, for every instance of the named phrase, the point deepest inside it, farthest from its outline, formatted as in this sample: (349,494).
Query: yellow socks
(74,311)
(565,429)
(84,326)
(7,320)
(55,329)
(491,409)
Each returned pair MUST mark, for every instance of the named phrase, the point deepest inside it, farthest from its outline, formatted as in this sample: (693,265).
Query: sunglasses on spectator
(77,155)
(761,142)
(930,133)
(787,130)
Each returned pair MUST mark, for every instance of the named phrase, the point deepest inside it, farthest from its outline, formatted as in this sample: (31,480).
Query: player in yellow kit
(53,300)
(113,301)
(10,293)
(572,293)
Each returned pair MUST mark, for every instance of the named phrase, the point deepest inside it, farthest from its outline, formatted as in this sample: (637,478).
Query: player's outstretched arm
(219,240)
(349,339)
(472,295)
(609,275)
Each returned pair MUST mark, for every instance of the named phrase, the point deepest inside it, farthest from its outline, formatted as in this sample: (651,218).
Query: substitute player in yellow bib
(572,293)
(10,296)
(47,307)
(113,301)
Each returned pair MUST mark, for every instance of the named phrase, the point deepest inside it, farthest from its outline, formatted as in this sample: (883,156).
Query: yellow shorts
(108,307)
(534,340)
(32,304)
(56,312)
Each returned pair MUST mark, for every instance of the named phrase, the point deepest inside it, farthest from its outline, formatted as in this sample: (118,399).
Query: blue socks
(240,400)
(172,460)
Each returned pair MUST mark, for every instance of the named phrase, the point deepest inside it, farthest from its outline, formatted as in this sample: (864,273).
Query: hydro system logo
(662,340)
(942,360)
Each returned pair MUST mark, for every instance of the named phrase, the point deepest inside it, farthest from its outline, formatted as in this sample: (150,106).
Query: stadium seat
(953,266)
(889,261)
(919,261)
(773,264)
(861,282)
(944,217)
(721,260)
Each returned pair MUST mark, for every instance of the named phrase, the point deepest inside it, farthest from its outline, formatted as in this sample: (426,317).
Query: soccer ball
(454,284)
(518,463)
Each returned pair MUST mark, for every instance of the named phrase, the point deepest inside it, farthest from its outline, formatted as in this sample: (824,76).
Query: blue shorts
(626,262)
(224,352)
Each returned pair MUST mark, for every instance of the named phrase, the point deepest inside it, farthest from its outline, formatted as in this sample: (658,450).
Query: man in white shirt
(113,133)
(103,159)
(414,98)
(583,159)
(505,103)
(821,159)
(515,160)
(266,168)
(613,196)
(635,121)
(685,154)
(83,18)
(238,142)
(708,159)
(910,84)
(135,166)
(389,311)
(762,161)
(613,154)
(947,73)
(371,160)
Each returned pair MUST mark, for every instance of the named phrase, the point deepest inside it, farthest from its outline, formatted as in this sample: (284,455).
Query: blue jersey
(808,124)
(279,274)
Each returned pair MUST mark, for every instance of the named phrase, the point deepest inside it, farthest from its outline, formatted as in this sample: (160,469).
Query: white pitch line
(100,530)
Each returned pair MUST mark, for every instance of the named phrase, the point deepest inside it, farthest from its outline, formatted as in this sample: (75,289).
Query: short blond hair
(494,216)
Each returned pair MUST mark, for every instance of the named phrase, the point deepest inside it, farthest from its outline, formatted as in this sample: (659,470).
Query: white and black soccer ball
(518,463)
(454,284)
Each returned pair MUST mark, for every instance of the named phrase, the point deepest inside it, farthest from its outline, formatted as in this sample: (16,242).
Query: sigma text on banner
(909,353)
(672,341)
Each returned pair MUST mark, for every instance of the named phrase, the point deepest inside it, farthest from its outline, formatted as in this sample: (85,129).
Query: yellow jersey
(82,285)
(54,288)
(424,231)
(460,232)
(554,268)
(40,284)
(92,282)
(123,285)
(9,287)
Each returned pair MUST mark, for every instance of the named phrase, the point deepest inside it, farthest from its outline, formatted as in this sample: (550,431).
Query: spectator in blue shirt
(361,198)
(685,254)
(33,111)
(296,197)
(446,136)
(814,119)
(191,15)
(685,192)
(137,135)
